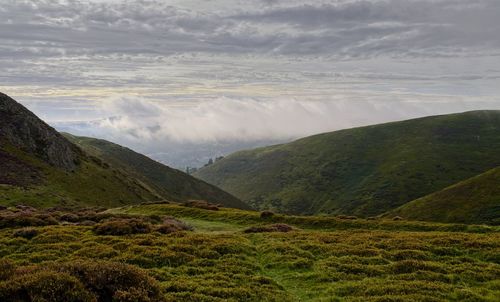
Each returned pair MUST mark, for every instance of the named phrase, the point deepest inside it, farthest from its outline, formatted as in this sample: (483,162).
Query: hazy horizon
(156,75)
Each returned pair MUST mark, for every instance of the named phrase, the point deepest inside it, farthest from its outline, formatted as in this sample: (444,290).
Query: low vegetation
(201,204)
(368,171)
(81,280)
(42,168)
(278,227)
(321,259)
(169,183)
(475,200)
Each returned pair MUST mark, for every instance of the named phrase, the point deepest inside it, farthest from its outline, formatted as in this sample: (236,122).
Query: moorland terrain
(405,211)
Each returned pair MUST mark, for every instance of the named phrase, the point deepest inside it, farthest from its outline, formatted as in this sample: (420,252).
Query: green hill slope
(170,183)
(40,167)
(363,171)
(475,200)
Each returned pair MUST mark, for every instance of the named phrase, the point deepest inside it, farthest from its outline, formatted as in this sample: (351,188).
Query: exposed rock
(24,130)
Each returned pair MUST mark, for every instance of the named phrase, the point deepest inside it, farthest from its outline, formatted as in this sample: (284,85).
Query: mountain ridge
(362,171)
(41,167)
(23,129)
(169,182)
(473,201)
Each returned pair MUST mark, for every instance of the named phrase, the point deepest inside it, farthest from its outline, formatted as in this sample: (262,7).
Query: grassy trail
(324,259)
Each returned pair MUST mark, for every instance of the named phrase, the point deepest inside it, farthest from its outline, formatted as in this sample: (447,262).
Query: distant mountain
(171,152)
(363,171)
(39,166)
(170,183)
(475,200)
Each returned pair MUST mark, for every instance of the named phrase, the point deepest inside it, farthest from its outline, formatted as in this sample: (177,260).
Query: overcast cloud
(185,70)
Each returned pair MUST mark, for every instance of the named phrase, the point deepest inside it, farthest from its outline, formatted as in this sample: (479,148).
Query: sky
(159,74)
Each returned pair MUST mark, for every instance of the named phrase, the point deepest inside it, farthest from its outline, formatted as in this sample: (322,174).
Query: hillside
(170,183)
(475,200)
(362,171)
(40,167)
(169,252)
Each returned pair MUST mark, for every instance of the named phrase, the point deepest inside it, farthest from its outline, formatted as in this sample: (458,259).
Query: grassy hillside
(170,183)
(40,167)
(321,259)
(363,171)
(92,182)
(475,200)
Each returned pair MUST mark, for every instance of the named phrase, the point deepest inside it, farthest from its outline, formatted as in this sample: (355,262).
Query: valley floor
(323,259)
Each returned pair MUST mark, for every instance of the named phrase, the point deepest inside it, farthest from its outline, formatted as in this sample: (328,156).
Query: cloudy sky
(149,73)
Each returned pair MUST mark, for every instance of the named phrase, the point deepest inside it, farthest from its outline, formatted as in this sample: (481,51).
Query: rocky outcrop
(24,130)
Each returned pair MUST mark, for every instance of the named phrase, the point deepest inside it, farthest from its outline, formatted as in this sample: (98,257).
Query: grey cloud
(219,70)
(345,29)
(370,28)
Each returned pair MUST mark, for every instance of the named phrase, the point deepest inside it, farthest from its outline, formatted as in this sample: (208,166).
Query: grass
(243,218)
(323,259)
(363,171)
(91,183)
(475,200)
(170,183)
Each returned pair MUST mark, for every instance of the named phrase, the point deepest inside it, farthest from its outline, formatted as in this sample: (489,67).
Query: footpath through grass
(242,218)
(325,259)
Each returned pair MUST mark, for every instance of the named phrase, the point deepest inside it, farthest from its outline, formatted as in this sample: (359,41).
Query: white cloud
(226,119)
(159,71)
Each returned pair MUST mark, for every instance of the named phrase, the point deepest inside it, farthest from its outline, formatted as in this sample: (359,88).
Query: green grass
(92,183)
(99,182)
(41,167)
(170,183)
(243,218)
(362,171)
(358,261)
(475,200)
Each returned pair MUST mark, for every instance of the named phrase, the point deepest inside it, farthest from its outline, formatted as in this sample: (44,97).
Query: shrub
(45,286)
(87,223)
(27,233)
(69,217)
(171,225)
(396,218)
(111,281)
(25,208)
(279,227)
(347,217)
(410,266)
(122,227)
(201,204)
(3,208)
(80,281)
(266,214)
(22,219)
(6,269)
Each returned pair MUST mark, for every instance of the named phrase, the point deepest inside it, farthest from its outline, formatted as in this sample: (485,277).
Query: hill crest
(362,171)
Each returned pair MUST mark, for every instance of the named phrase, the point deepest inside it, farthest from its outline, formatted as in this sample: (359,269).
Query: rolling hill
(40,167)
(474,201)
(362,171)
(170,183)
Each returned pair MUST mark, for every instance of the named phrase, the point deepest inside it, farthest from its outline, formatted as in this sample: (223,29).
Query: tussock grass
(348,260)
